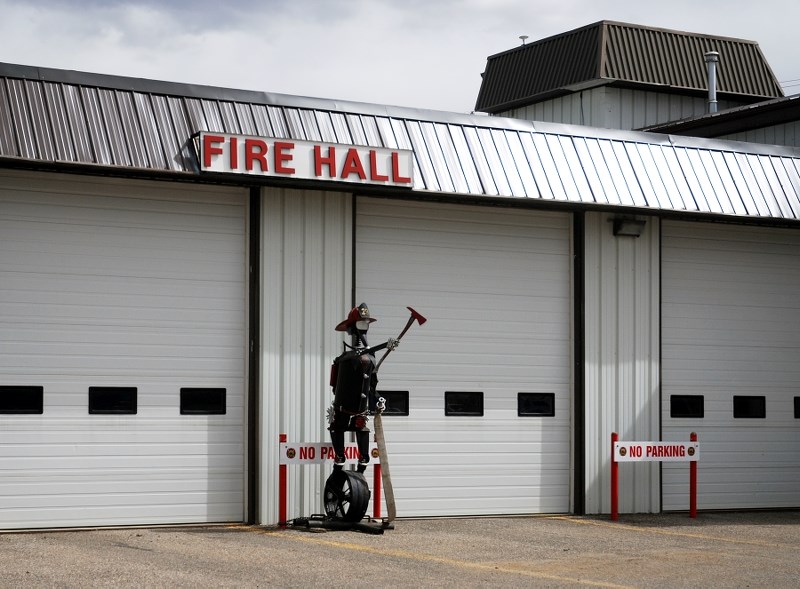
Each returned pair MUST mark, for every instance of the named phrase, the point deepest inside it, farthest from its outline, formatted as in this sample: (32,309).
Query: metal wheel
(346,495)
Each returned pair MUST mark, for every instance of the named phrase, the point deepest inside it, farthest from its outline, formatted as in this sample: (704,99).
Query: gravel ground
(757,549)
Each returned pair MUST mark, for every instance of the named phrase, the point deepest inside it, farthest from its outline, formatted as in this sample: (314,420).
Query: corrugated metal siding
(783,134)
(454,154)
(306,290)
(674,58)
(539,67)
(634,109)
(621,360)
(611,51)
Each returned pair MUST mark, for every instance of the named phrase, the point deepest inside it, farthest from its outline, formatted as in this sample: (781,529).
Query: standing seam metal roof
(616,52)
(139,125)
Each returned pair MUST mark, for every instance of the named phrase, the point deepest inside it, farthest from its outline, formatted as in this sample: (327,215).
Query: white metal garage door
(494,285)
(731,353)
(121,304)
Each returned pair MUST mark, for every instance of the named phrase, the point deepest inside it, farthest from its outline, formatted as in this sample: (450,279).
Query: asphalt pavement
(755,549)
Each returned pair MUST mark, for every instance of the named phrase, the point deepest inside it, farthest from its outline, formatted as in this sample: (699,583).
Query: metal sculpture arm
(415,316)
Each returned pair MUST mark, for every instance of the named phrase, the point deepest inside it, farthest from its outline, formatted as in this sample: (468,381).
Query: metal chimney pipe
(712,57)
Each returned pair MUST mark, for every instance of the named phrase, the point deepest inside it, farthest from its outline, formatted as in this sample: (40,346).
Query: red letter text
(210,148)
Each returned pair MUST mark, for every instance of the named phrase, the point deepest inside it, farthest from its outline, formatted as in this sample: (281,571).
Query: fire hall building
(174,259)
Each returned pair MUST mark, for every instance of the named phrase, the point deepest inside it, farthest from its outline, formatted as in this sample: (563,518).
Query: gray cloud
(422,53)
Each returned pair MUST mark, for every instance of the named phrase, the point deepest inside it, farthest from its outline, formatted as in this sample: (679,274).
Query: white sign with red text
(306,160)
(321,453)
(656,451)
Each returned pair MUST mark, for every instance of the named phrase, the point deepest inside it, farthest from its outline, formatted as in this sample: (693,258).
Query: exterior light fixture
(628,226)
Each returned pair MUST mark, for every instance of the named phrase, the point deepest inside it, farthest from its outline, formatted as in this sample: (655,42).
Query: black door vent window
(797,407)
(396,402)
(458,403)
(21,400)
(754,407)
(112,400)
(686,406)
(536,404)
(203,401)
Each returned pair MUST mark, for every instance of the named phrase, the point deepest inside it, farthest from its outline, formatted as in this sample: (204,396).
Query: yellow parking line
(649,530)
(421,557)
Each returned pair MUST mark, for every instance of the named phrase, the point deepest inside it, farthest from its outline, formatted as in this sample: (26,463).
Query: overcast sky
(417,53)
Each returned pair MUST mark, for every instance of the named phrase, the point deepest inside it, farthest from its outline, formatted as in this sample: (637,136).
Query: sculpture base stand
(346,500)
(323,522)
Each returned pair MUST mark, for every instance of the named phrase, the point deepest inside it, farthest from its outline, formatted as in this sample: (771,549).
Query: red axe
(415,316)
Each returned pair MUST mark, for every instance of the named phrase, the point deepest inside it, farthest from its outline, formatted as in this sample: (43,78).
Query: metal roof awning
(768,113)
(72,119)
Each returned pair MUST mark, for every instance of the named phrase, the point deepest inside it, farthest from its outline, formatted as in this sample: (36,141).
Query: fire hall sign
(306,160)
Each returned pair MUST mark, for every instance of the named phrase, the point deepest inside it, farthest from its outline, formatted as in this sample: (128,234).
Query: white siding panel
(621,360)
(121,283)
(495,287)
(731,324)
(617,108)
(306,291)
(783,134)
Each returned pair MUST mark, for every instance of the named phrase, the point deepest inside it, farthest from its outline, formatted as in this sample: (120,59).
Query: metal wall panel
(465,160)
(371,132)
(783,134)
(95,125)
(549,166)
(403,139)
(263,122)
(117,140)
(21,121)
(196,115)
(522,165)
(617,108)
(40,120)
(230,119)
(182,128)
(132,131)
(515,184)
(429,174)
(149,128)
(386,132)
(306,284)
(495,164)
(478,156)
(62,137)
(681,180)
(8,142)
(621,360)
(278,123)
(244,114)
(451,158)
(310,125)
(443,172)
(356,128)
(167,135)
(341,129)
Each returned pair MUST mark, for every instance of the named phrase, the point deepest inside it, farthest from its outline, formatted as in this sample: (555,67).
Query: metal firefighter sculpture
(353,379)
